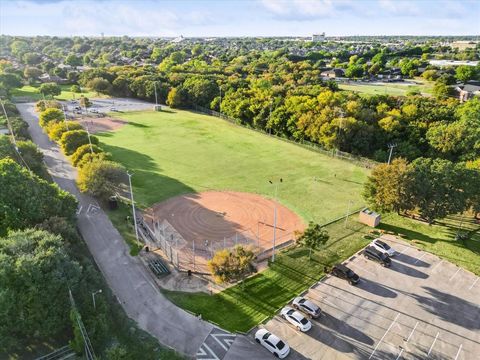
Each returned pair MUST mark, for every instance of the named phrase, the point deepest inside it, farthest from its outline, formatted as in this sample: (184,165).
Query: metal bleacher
(158,267)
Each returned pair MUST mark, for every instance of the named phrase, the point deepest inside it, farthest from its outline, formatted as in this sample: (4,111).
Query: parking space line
(431,347)
(405,250)
(471,286)
(420,258)
(413,330)
(398,357)
(328,302)
(458,352)
(383,337)
(454,274)
(437,265)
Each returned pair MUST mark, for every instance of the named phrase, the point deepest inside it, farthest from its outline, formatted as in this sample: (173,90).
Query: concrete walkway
(129,280)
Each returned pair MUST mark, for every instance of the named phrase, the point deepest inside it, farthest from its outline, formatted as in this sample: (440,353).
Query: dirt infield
(96,125)
(216,219)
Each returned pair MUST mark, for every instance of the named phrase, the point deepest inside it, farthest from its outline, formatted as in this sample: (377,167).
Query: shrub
(56,130)
(42,105)
(75,89)
(73,139)
(101,178)
(49,115)
(89,157)
(83,150)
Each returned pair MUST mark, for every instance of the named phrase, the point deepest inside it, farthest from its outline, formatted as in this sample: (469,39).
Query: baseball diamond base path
(129,280)
(213,220)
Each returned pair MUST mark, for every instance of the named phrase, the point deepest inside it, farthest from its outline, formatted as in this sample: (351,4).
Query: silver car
(307,307)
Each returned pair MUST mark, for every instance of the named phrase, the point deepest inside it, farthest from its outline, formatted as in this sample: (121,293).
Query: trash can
(113,203)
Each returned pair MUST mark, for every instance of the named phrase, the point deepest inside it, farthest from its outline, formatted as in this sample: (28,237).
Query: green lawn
(31,92)
(388,89)
(439,238)
(177,152)
(241,307)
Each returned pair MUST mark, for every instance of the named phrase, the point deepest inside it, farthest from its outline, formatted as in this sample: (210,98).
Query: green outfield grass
(393,89)
(31,92)
(176,152)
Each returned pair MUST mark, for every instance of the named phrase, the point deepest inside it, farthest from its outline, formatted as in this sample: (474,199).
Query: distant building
(468,90)
(369,217)
(462,45)
(333,73)
(318,37)
(47,78)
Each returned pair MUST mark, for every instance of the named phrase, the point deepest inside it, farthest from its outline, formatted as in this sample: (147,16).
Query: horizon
(236,19)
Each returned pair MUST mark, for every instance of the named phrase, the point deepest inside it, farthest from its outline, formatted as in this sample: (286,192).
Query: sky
(205,18)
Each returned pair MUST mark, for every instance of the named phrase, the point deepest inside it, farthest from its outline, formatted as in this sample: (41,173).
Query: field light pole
(89,141)
(275,218)
(93,297)
(133,206)
(391,146)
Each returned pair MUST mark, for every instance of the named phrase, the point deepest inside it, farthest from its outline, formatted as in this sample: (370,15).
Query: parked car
(383,247)
(272,343)
(296,318)
(94,111)
(372,253)
(307,307)
(77,108)
(113,108)
(344,272)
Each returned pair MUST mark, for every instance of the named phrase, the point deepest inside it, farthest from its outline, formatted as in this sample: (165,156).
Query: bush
(73,139)
(83,150)
(101,178)
(42,105)
(75,89)
(56,130)
(89,157)
(51,89)
(49,115)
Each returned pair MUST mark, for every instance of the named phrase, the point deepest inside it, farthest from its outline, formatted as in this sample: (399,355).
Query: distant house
(318,37)
(333,73)
(468,90)
(47,78)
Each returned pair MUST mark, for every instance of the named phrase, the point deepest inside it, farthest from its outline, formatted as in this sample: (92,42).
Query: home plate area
(216,345)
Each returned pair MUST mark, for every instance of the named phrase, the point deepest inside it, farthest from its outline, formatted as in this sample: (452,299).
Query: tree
(386,189)
(56,130)
(354,71)
(42,105)
(100,85)
(31,73)
(31,58)
(9,81)
(465,73)
(436,188)
(75,89)
(441,91)
(101,178)
(89,157)
(80,153)
(85,102)
(230,265)
(73,60)
(51,89)
(35,272)
(73,139)
(314,237)
(50,115)
(27,200)
(175,98)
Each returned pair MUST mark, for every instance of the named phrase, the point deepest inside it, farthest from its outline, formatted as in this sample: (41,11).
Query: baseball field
(177,152)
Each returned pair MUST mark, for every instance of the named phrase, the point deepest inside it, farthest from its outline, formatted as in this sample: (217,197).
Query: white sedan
(307,307)
(272,343)
(383,247)
(296,318)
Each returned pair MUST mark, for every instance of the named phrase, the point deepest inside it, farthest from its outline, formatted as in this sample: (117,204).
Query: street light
(65,117)
(275,217)
(391,146)
(89,141)
(133,205)
(93,297)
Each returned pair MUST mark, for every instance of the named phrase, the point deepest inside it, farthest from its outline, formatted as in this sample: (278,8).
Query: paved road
(127,277)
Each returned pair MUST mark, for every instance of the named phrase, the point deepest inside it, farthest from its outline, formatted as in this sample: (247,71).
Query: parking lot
(422,307)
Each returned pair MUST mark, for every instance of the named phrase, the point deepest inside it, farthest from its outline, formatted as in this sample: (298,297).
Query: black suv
(344,272)
(373,254)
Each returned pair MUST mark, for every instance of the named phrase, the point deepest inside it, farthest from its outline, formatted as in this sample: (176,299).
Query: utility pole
(156,97)
(275,218)
(93,297)
(391,146)
(89,141)
(133,206)
(65,118)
